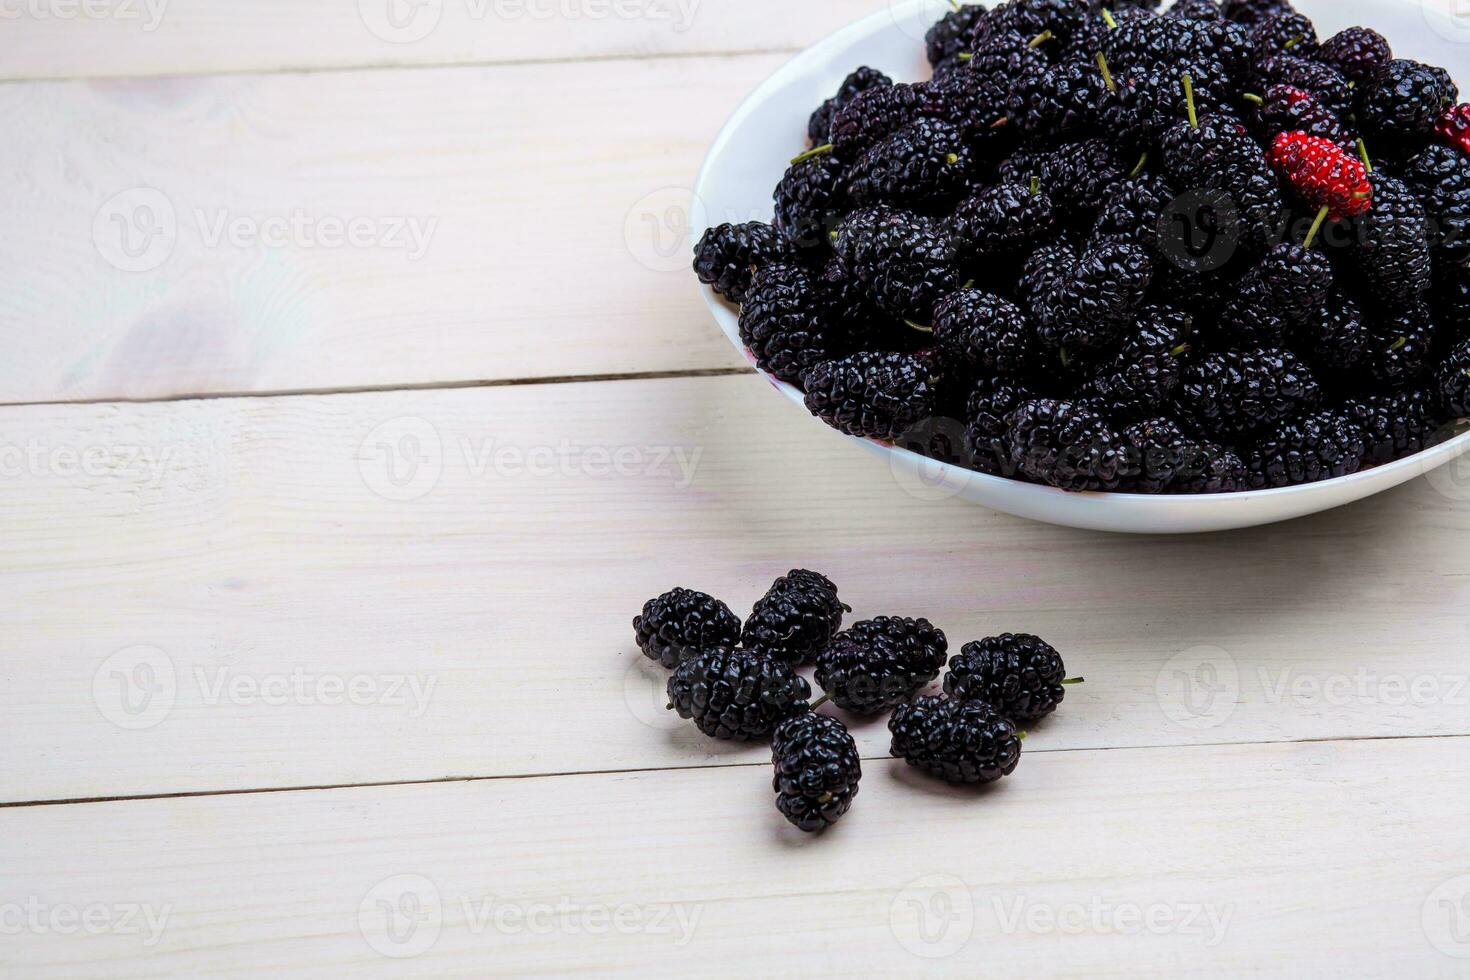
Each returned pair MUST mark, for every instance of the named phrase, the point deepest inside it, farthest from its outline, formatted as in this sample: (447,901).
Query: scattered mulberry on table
(737,695)
(1018,674)
(796,618)
(682,622)
(879,663)
(957,741)
(817,770)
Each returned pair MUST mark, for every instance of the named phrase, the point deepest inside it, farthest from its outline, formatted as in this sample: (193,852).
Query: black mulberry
(1238,392)
(874,395)
(796,618)
(738,695)
(817,770)
(905,262)
(879,663)
(1018,674)
(728,256)
(1066,445)
(957,741)
(1314,447)
(682,622)
(983,330)
(819,128)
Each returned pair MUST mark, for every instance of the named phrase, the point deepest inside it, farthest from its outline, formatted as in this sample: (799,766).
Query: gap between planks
(327,787)
(391,388)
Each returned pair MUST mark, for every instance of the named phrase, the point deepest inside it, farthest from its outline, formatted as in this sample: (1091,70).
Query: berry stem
(1189,101)
(965,55)
(821,701)
(1295,41)
(811,154)
(1002,121)
(1253,98)
(1363,154)
(1138,168)
(1074,680)
(1316,227)
(1400,343)
(955,4)
(1040,39)
(919,327)
(1102,62)
(1107,16)
(1035,186)
(1021,736)
(952,159)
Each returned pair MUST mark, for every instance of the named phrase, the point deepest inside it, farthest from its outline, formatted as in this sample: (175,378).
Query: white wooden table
(357,393)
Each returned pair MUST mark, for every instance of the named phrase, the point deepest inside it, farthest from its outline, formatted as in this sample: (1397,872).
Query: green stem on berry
(1040,39)
(1295,41)
(1102,62)
(969,284)
(821,701)
(1363,154)
(919,327)
(1138,168)
(1179,351)
(1002,121)
(1252,98)
(1107,16)
(1399,344)
(955,4)
(1066,358)
(965,55)
(952,159)
(834,235)
(1021,736)
(845,607)
(814,152)
(1074,680)
(1316,227)
(1035,186)
(1189,101)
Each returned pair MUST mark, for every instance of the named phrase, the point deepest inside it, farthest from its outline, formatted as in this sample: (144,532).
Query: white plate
(749,156)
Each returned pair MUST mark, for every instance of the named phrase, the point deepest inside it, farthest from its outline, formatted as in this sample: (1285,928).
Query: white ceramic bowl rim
(1424,460)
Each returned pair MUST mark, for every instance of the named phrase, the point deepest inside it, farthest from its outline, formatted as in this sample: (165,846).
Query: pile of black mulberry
(1113,249)
(740,682)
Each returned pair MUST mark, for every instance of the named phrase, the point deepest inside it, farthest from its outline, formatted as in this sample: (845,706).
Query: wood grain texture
(270,556)
(340,230)
(1319,860)
(170,37)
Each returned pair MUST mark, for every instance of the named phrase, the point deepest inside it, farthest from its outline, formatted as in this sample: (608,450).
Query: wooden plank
(315,232)
(1318,860)
(60,39)
(265,557)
